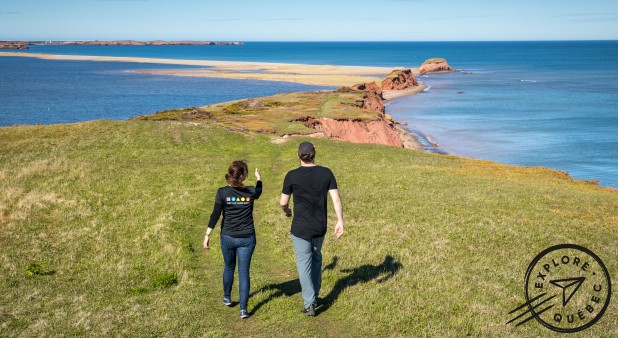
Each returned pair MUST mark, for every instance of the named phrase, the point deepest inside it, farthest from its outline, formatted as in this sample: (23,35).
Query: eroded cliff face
(372,96)
(436,65)
(373,101)
(399,79)
(368,86)
(379,131)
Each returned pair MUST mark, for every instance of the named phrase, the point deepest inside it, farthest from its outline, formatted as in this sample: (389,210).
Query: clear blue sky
(315,20)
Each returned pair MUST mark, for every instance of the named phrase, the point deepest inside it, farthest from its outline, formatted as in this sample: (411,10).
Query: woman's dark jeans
(241,248)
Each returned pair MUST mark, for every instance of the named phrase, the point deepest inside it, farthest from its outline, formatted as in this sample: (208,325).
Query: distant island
(25,44)
(13,45)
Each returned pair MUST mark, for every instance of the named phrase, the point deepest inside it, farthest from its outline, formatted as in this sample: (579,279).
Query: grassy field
(277,114)
(102,223)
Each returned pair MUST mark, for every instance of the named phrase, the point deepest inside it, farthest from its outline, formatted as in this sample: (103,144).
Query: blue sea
(551,104)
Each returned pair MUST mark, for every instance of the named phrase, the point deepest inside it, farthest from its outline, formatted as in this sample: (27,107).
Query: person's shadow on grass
(288,288)
(362,274)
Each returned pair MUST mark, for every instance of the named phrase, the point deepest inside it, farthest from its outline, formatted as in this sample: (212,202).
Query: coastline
(325,75)
(390,95)
(322,75)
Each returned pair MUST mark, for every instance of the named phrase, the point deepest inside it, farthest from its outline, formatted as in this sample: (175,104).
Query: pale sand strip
(326,75)
(393,94)
(333,80)
(409,140)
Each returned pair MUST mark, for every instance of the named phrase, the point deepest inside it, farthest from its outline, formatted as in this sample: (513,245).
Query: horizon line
(236,40)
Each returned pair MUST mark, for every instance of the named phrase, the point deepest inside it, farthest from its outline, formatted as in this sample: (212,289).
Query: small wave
(530,81)
(427,89)
(472,71)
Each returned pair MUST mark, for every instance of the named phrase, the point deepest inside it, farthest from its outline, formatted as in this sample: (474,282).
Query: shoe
(317,302)
(310,311)
(244,314)
(227,301)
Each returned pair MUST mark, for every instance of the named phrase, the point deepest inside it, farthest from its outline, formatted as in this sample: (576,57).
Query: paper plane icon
(565,284)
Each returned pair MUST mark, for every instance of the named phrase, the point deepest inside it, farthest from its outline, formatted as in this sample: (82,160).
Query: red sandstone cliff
(399,79)
(435,65)
(372,96)
(368,86)
(383,130)
(379,132)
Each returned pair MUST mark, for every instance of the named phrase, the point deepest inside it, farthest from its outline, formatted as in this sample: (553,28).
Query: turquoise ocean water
(551,104)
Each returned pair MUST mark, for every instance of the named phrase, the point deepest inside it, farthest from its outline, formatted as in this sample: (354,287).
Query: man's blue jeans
(241,248)
(309,264)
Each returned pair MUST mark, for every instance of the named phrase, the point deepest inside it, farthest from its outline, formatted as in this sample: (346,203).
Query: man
(310,184)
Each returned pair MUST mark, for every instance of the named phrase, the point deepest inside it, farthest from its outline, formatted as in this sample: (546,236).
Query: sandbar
(321,75)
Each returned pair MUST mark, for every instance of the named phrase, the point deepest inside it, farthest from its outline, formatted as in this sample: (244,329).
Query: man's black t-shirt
(310,186)
(237,207)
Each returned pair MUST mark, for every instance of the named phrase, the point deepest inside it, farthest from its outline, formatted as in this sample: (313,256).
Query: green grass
(434,245)
(277,114)
(434,60)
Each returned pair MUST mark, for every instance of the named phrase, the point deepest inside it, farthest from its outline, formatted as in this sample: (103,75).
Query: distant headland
(25,44)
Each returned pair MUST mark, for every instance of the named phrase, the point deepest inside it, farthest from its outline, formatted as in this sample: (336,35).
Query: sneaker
(310,311)
(244,314)
(317,302)
(227,301)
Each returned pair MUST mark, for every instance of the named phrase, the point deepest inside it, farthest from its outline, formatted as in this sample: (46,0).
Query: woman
(237,230)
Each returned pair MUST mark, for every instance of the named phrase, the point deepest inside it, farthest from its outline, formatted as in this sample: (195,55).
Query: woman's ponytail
(235,172)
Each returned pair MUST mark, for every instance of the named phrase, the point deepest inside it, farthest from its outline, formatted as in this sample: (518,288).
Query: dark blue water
(542,104)
(549,104)
(43,91)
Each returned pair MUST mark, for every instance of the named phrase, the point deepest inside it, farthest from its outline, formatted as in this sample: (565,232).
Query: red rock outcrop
(379,131)
(383,130)
(372,96)
(373,101)
(399,79)
(435,65)
(368,86)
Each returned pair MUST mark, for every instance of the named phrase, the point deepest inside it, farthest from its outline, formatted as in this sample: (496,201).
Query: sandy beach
(321,75)
(394,94)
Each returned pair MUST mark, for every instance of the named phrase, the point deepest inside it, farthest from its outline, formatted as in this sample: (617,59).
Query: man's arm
(284,203)
(334,195)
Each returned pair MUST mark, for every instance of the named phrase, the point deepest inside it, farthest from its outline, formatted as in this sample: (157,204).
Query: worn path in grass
(114,214)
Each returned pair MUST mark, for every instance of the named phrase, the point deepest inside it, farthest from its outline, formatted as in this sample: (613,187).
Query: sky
(315,20)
